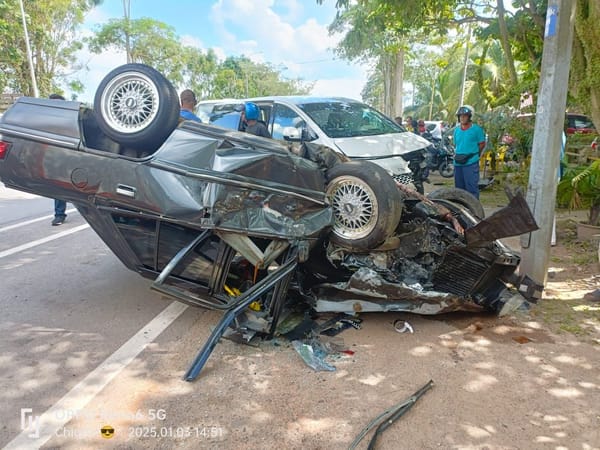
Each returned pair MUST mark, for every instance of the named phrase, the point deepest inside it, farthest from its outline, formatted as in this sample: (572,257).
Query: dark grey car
(224,220)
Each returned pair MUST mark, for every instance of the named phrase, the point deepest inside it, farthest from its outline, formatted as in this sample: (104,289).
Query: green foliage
(149,41)
(372,92)
(580,188)
(156,44)
(497,122)
(240,77)
(51,26)
(584,75)
(504,60)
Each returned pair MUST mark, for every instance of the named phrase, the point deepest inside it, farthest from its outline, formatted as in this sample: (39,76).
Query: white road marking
(54,418)
(20,248)
(28,222)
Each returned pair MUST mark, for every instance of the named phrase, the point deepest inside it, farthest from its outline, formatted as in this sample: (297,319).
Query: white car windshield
(349,119)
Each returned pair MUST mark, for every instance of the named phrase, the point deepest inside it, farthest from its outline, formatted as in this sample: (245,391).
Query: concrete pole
(34,86)
(461,100)
(127,16)
(547,138)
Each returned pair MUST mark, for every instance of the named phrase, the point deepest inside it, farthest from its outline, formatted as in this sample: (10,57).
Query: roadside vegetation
(430,55)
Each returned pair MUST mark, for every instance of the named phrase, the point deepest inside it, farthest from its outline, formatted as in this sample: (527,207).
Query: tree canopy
(156,44)
(502,60)
(52,26)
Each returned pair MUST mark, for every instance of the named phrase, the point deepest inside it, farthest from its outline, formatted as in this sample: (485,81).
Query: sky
(289,34)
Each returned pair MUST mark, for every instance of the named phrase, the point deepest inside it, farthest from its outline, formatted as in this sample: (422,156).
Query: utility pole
(28,48)
(547,137)
(127,15)
(465,67)
(433,80)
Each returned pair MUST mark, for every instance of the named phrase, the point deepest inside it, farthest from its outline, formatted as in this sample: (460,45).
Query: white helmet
(465,109)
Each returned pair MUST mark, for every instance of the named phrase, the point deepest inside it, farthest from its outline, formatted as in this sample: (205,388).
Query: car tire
(461,197)
(446,169)
(366,202)
(137,107)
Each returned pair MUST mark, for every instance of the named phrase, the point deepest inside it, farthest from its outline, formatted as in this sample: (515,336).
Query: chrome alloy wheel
(355,207)
(130,102)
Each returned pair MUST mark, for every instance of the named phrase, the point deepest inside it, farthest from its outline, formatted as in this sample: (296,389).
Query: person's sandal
(593,296)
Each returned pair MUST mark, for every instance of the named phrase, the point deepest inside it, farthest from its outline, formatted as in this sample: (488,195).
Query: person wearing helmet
(469,141)
(253,124)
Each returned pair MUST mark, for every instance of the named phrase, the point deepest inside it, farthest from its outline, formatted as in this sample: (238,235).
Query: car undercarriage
(255,228)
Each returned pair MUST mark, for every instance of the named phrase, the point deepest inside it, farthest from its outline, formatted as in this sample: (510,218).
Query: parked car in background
(579,124)
(347,126)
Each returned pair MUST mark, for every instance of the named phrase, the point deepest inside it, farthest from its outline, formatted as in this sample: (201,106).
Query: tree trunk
(587,33)
(392,68)
(510,62)
(595,215)
(398,107)
(387,84)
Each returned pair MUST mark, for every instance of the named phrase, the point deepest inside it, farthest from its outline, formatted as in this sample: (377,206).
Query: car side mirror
(292,134)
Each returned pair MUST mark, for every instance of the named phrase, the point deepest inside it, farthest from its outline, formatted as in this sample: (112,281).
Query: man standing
(60,206)
(469,141)
(188,103)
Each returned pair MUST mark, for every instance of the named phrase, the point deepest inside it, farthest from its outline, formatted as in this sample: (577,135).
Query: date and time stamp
(197,432)
(152,423)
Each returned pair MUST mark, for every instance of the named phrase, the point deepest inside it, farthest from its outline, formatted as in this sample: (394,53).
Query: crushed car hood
(381,145)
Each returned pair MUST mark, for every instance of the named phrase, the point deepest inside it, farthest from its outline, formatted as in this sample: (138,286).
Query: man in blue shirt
(188,103)
(469,141)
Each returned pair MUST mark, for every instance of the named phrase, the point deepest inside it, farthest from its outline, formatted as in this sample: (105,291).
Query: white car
(347,126)
(204,108)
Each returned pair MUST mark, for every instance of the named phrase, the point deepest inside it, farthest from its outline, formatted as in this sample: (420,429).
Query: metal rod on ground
(387,418)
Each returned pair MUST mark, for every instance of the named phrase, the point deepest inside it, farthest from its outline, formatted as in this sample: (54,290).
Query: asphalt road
(73,317)
(86,345)
(85,342)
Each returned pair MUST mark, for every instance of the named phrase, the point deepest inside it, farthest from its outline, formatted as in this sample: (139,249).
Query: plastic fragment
(313,355)
(402,326)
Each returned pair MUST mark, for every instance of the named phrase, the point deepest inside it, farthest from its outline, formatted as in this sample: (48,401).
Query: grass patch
(567,316)
(561,316)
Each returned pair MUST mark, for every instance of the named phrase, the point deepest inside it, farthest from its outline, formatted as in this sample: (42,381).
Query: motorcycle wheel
(446,169)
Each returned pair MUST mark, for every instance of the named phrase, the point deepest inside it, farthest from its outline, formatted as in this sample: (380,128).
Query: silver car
(347,126)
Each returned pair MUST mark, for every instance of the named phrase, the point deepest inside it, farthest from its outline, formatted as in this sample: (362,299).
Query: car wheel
(461,197)
(366,202)
(446,169)
(137,106)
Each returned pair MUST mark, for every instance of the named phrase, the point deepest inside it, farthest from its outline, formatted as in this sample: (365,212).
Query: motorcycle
(440,155)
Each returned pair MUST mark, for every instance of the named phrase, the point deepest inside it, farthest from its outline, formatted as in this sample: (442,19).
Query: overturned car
(229,221)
